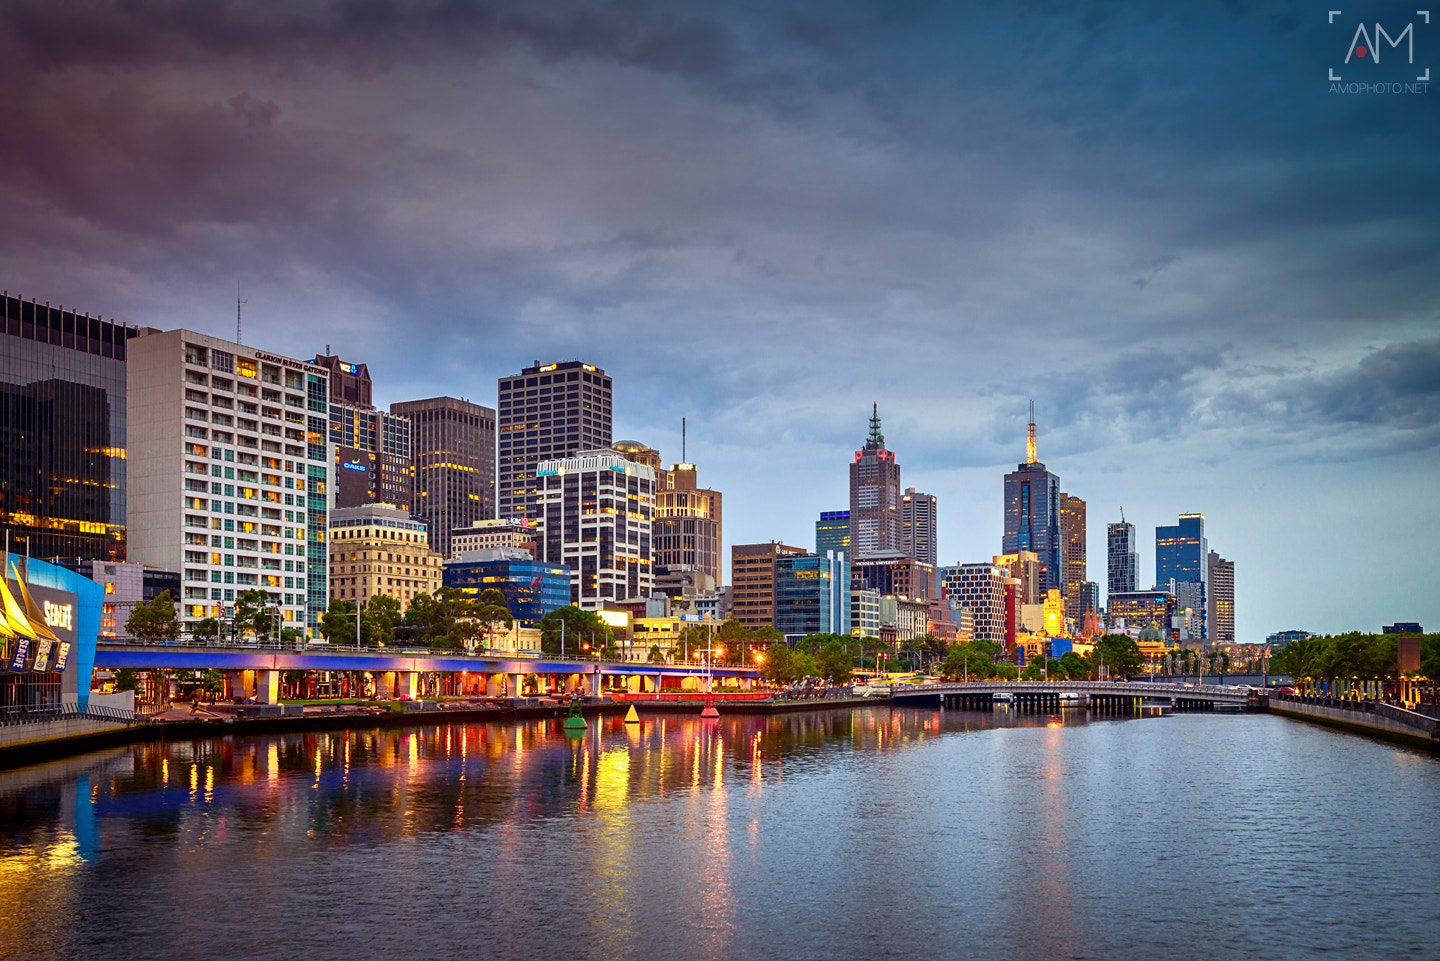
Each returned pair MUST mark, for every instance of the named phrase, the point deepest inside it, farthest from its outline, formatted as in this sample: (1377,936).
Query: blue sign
(22,651)
(353,466)
(692,617)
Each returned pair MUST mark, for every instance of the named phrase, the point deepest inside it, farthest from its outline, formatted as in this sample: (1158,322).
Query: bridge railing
(1079,687)
(1413,719)
(63,711)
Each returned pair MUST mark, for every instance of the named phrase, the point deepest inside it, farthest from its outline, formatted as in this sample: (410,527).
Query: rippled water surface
(850,834)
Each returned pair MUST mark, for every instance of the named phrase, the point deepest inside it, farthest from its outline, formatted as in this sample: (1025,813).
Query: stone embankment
(1375,718)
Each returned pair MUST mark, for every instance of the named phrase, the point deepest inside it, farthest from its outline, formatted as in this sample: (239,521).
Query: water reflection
(813,834)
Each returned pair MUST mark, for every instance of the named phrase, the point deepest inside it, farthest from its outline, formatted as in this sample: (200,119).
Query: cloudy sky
(1214,272)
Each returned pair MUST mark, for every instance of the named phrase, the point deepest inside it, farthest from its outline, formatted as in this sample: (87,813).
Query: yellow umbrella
(13,614)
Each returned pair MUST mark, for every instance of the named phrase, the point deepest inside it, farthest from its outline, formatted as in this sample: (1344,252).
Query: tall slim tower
(874,495)
(917,525)
(454,450)
(548,412)
(1072,532)
(1124,560)
(1032,514)
(1180,556)
(1220,618)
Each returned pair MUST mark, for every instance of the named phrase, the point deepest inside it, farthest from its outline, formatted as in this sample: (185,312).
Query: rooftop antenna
(1122,514)
(1030,457)
(877,439)
(238,302)
(683,458)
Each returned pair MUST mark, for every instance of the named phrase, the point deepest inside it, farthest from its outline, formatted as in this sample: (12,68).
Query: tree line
(1353,655)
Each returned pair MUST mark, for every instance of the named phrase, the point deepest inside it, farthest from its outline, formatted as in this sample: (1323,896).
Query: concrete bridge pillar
(513,683)
(492,685)
(592,684)
(406,684)
(241,685)
(633,683)
(267,687)
(384,684)
(655,681)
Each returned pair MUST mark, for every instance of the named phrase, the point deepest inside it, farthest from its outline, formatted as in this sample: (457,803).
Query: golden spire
(1030,457)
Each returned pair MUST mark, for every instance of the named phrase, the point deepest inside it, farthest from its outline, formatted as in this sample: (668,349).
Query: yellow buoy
(632,717)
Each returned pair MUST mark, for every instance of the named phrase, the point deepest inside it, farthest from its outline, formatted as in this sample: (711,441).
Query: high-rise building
(62,431)
(380,549)
(1136,610)
(752,582)
(1024,567)
(229,472)
(1220,616)
(832,532)
(874,496)
(519,533)
(1032,515)
(532,588)
(453,448)
(1180,552)
(687,522)
(597,511)
(811,596)
(917,525)
(892,572)
(373,461)
(979,589)
(548,412)
(1123,559)
(1072,536)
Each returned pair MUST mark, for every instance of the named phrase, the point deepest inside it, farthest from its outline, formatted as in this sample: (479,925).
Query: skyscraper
(1072,533)
(1032,515)
(597,509)
(1123,568)
(874,495)
(688,523)
(1220,618)
(811,596)
(373,461)
(454,454)
(832,532)
(548,413)
(230,468)
(752,582)
(62,431)
(1180,556)
(917,525)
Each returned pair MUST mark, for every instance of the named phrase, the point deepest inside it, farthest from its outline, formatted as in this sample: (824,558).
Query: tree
(338,626)
(1006,671)
(377,623)
(778,667)
(491,612)
(1118,653)
(206,630)
(1076,668)
(126,679)
(580,625)
(834,662)
(655,657)
(252,614)
(155,620)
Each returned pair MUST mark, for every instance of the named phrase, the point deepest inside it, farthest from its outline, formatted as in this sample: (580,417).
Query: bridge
(1046,694)
(396,671)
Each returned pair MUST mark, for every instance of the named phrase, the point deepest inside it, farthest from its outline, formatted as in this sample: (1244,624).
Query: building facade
(892,572)
(1123,559)
(811,596)
(453,450)
(547,413)
(520,533)
(373,454)
(980,590)
(864,613)
(62,431)
(917,525)
(532,588)
(380,549)
(125,585)
(1180,557)
(1032,515)
(1072,537)
(230,471)
(832,532)
(688,522)
(1220,593)
(597,511)
(1134,611)
(752,582)
(874,496)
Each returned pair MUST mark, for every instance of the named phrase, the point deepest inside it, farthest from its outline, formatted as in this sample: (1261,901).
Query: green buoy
(575,723)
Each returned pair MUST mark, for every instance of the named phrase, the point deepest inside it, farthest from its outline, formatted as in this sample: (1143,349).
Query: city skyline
(752,219)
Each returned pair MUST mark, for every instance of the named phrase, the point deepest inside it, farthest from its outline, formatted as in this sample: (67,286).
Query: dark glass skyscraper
(453,443)
(547,413)
(62,431)
(1032,515)
(832,532)
(1124,560)
(1180,555)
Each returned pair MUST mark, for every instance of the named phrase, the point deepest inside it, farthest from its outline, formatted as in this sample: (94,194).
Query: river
(866,833)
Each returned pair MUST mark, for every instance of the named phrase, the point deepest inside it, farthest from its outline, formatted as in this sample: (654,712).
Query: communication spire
(1030,456)
(683,458)
(238,302)
(877,439)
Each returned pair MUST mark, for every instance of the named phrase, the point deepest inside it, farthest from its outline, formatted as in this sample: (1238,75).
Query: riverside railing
(63,711)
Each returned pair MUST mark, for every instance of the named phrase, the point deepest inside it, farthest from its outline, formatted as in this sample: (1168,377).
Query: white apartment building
(229,473)
(483,535)
(979,589)
(596,513)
